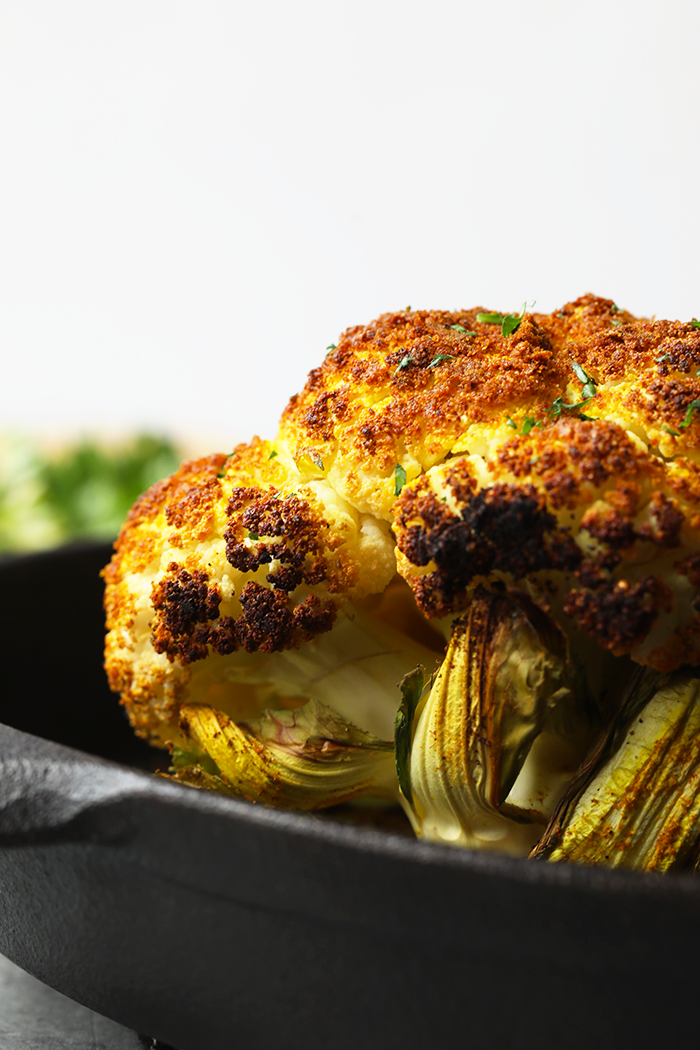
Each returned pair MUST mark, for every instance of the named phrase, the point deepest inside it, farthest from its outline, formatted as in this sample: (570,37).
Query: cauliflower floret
(222,567)
(602,533)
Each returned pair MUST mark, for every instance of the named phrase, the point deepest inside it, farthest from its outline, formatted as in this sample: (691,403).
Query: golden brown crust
(580,510)
(405,389)
(412,387)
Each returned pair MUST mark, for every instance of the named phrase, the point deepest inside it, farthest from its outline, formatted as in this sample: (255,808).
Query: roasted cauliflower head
(497,513)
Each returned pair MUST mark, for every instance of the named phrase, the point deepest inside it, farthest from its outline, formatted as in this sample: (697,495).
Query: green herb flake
(613,321)
(589,389)
(664,357)
(529,423)
(692,407)
(615,309)
(411,686)
(670,431)
(272,454)
(252,535)
(510,423)
(332,346)
(399,479)
(695,323)
(222,473)
(405,362)
(439,358)
(559,406)
(461,329)
(511,323)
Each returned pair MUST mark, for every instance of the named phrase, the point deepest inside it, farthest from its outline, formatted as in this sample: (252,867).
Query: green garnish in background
(82,492)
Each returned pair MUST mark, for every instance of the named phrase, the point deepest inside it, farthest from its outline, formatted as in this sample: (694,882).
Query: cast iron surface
(214,924)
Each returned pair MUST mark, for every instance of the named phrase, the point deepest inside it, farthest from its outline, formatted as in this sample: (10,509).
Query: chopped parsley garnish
(615,309)
(670,431)
(405,362)
(613,321)
(439,358)
(272,454)
(252,535)
(664,357)
(461,329)
(509,322)
(222,473)
(411,686)
(332,346)
(695,323)
(587,394)
(692,407)
(529,423)
(490,318)
(588,384)
(559,406)
(399,479)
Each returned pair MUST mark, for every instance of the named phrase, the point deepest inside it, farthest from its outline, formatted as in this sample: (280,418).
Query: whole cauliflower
(438,473)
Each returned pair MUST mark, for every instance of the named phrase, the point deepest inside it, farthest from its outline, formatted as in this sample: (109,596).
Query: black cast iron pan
(217,925)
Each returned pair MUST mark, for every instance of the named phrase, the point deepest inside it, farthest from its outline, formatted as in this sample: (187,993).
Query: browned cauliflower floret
(602,532)
(222,567)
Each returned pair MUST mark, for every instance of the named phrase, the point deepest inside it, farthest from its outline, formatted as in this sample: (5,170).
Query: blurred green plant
(82,492)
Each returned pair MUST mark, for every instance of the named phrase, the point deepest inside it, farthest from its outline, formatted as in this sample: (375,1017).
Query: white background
(197,197)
